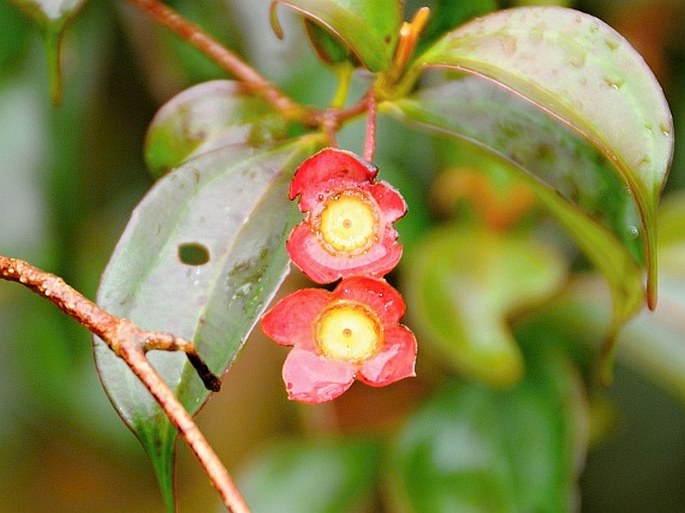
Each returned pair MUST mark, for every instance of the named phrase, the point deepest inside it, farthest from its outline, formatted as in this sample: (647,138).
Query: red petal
(329,164)
(310,378)
(394,362)
(312,199)
(307,254)
(289,322)
(385,300)
(321,266)
(390,202)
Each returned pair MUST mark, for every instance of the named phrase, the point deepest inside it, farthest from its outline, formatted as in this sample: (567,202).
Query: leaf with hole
(369,29)
(581,71)
(201,257)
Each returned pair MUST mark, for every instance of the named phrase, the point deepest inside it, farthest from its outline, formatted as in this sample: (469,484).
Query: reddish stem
(370,141)
(221,55)
(252,79)
(358,108)
(181,419)
(130,342)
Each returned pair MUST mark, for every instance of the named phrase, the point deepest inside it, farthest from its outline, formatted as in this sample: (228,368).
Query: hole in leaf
(193,253)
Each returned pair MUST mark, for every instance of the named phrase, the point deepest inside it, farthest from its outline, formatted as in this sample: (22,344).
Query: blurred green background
(69,178)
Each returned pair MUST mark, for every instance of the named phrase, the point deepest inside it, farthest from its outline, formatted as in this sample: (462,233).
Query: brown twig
(352,112)
(183,422)
(331,119)
(224,57)
(169,342)
(123,337)
(130,343)
(243,72)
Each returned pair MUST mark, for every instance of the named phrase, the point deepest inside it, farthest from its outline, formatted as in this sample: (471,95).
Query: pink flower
(347,229)
(352,332)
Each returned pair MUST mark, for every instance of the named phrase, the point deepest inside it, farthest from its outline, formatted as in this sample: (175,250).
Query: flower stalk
(370,139)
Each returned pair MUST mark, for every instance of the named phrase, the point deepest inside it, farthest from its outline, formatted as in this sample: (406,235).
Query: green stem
(344,71)
(608,353)
(53,42)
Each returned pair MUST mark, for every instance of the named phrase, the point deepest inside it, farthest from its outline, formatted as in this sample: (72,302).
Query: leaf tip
(273,18)
(652,287)
(607,357)
(652,296)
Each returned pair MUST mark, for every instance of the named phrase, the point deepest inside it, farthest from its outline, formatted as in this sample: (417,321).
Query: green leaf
(566,173)
(205,117)
(329,49)
(316,476)
(229,205)
(652,343)
(14,40)
(583,72)
(52,17)
(369,29)
(464,286)
(473,449)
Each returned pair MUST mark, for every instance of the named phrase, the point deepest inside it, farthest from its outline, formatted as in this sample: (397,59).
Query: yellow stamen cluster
(348,331)
(348,223)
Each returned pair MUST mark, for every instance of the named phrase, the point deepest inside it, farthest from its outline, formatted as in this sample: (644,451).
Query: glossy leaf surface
(369,29)
(229,206)
(583,72)
(329,49)
(652,343)
(319,476)
(205,117)
(475,449)
(464,285)
(567,174)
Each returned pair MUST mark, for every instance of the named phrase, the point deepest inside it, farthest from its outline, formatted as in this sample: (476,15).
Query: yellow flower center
(348,331)
(349,223)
